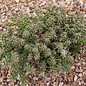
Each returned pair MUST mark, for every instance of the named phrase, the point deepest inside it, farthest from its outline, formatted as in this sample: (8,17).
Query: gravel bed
(75,77)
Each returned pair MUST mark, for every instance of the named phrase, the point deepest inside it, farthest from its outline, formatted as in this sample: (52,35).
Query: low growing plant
(50,40)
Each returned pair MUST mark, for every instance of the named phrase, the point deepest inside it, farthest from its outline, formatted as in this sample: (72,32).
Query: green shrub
(48,40)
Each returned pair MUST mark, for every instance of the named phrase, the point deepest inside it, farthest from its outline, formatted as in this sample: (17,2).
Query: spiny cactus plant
(49,39)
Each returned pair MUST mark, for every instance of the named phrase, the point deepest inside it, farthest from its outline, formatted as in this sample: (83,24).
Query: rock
(69,79)
(48,79)
(73,67)
(56,82)
(35,78)
(70,73)
(53,84)
(3,20)
(23,0)
(41,83)
(83,63)
(29,76)
(4,29)
(42,74)
(84,68)
(65,85)
(79,83)
(80,79)
(16,85)
(64,52)
(82,82)
(1,79)
(42,4)
(27,85)
(18,77)
(8,80)
(61,84)
(84,73)
(78,70)
(17,1)
(78,64)
(80,74)
(54,1)
(75,78)
(55,4)
(53,77)
(0,28)
(76,60)
(81,2)
(11,84)
(48,83)
(64,71)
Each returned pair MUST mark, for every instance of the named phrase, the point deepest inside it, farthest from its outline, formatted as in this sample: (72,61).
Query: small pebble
(23,0)
(17,1)
(35,78)
(16,85)
(75,78)
(4,29)
(78,64)
(3,20)
(42,4)
(0,28)
(27,85)
(79,83)
(1,79)
(73,67)
(48,83)
(61,84)
(80,74)
(83,63)
(78,70)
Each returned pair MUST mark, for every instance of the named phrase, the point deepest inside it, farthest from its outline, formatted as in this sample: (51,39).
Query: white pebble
(73,67)
(83,63)
(26,84)
(75,78)
(81,2)
(78,64)
(17,0)
(61,84)
(18,77)
(35,78)
(0,28)
(80,74)
(16,85)
(48,84)
(79,83)
(64,52)
(22,0)
(4,29)
(3,20)
(42,4)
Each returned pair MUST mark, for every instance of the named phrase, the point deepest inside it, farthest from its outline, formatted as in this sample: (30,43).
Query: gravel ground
(76,77)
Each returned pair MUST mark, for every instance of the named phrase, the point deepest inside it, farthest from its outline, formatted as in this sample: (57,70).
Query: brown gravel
(76,77)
